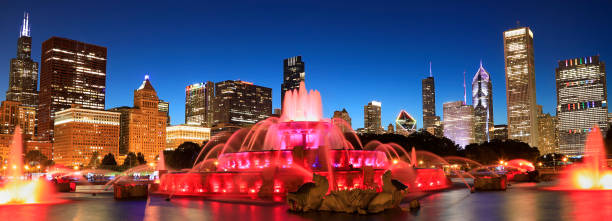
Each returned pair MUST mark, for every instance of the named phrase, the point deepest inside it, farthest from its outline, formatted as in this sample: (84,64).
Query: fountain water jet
(277,155)
(18,189)
(593,173)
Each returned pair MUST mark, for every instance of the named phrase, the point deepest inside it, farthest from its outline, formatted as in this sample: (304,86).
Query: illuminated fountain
(278,155)
(17,189)
(593,173)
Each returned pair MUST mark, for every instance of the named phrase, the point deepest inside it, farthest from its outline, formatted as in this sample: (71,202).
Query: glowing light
(585,182)
(75,167)
(395,161)
(606,181)
(501,162)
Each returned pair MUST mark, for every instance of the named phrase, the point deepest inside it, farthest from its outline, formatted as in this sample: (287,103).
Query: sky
(354,51)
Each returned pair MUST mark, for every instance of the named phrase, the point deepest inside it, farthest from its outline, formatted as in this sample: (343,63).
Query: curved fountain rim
(291,150)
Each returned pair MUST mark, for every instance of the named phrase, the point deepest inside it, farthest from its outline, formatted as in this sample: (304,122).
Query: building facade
(345,126)
(146,125)
(459,122)
(499,132)
(520,85)
(164,106)
(198,103)
(13,113)
(547,128)
(241,103)
(482,100)
(23,75)
(81,132)
(372,118)
(405,123)
(178,134)
(582,101)
(293,73)
(72,72)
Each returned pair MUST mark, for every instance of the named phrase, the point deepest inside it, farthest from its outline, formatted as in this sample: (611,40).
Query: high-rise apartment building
(459,122)
(23,75)
(482,100)
(582,101)
(179,134)
(241,103)
(372,118)
(520,85)
(547,129)
(499,132)
(293,74)
(81,132)
(72,72)
(13,113)
(198,103)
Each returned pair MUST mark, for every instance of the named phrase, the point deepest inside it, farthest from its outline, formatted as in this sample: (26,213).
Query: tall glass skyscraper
(482,100)
(72,72)
(520,85)
(198,103)
(23,75)
(582,101)
(429,102)
(293,74)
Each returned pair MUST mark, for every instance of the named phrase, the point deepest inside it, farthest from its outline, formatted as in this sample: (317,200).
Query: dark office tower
(241,103)
(293,74)
(72,72)
(198,103)
(164,106)
(582,102)
(482,99)
(520,86)
(23,76)
(429,102)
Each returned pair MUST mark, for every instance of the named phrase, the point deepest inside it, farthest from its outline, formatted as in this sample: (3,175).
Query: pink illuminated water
(277,155)
(593,173)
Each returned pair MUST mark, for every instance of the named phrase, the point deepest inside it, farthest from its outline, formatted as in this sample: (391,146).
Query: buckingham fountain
(300,152)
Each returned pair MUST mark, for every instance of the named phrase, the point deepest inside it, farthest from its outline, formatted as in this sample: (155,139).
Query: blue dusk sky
(355,51)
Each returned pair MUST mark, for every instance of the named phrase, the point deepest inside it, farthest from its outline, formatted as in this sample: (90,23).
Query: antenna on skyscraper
(25,26)
(430,74)
(464,90)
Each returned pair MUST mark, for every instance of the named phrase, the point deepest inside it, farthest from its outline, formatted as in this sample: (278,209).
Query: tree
(421,140)
(94,162)
(34,157)
(109,160)
(141,159)
(183,156)
(493,151)
(130,160)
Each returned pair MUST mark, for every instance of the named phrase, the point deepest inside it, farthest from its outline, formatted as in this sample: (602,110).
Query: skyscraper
(164,106)
(405,123)
(72,72)
(293,74)
(241,103)
(146,124)
(582,101)
(520,85)
(459,122)
(372,120)
(23,75)
(429,101)
(198,101)
(482,100)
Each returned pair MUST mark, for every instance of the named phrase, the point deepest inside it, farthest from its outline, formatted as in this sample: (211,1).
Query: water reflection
(520,202)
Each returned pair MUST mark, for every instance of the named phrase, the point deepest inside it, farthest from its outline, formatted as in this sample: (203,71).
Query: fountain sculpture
(278,155)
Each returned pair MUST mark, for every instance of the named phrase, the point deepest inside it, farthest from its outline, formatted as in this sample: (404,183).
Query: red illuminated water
(593,173)
(278,155)
(18,189)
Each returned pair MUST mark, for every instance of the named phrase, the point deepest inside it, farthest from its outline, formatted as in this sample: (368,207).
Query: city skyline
(325,65)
